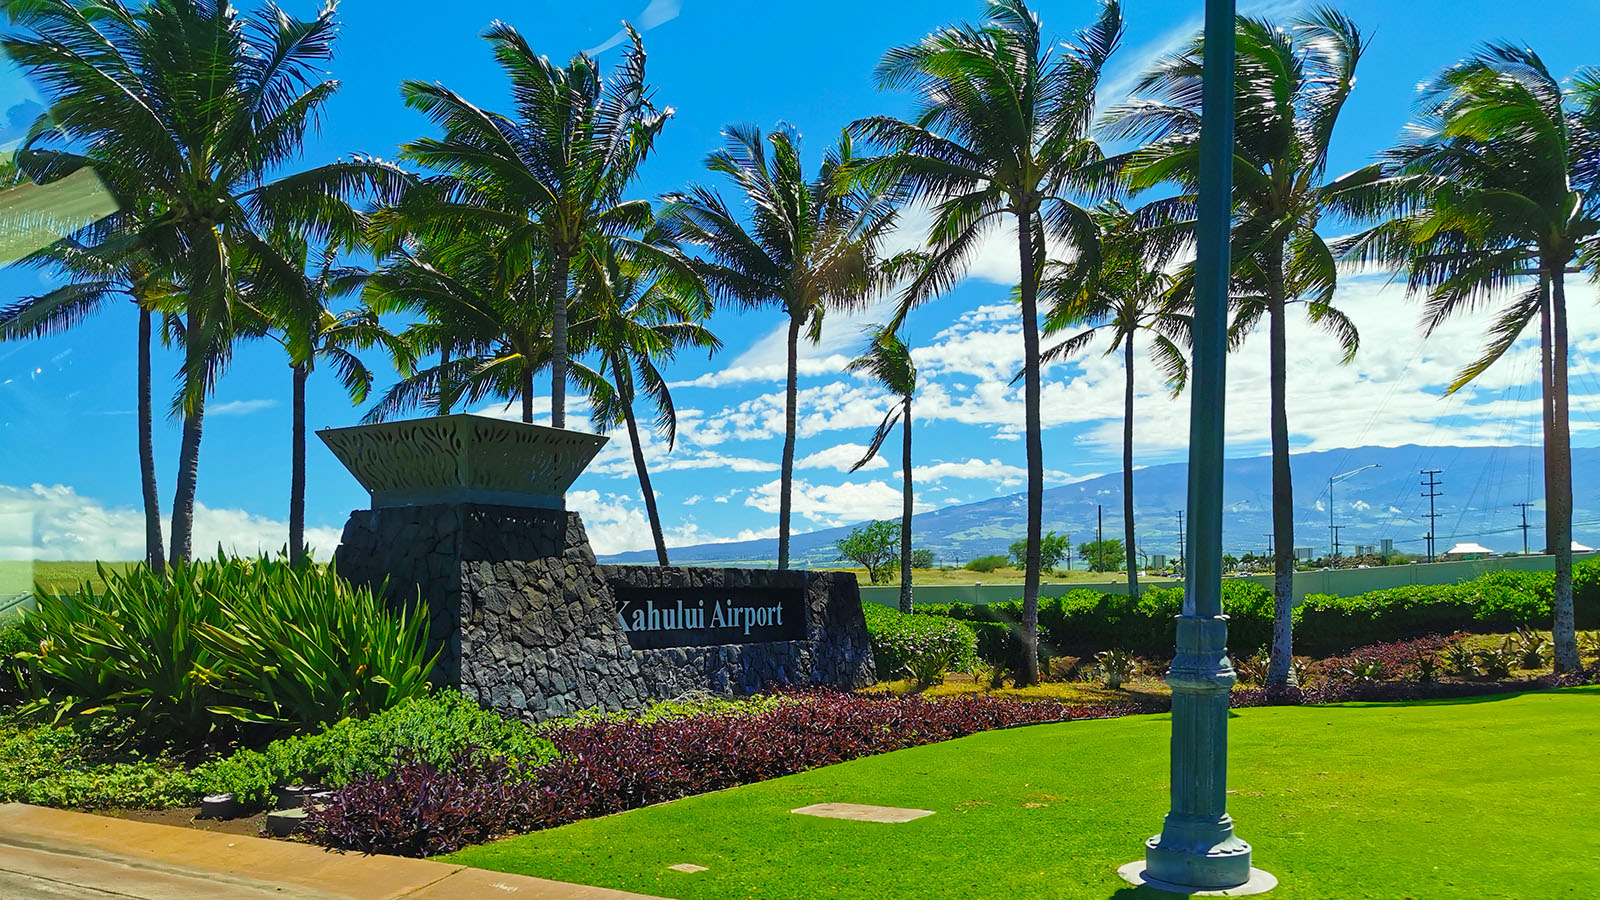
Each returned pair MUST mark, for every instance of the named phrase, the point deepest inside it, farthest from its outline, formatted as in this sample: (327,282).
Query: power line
(1432,484)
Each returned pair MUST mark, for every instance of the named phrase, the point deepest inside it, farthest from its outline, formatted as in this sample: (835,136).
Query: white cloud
(840,457)
(239,407)
(834,504)
(55,522)
(693,500)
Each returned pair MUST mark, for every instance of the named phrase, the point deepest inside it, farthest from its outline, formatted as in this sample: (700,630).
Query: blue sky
(68,471)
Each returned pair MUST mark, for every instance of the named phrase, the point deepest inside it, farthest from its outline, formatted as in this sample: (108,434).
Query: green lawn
(1489,798)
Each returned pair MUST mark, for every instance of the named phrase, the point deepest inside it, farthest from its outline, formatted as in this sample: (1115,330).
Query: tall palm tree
(550,174)
(96,275)
(807,246)
(1291,85)
(887,361)
(490,341)
(1000,133)
(636,315)
(1495,196)
(181,108)
(311,333)
(1129,293)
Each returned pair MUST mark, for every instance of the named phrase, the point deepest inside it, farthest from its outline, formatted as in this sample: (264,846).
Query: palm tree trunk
(905,508)
(1028,666)
(188,478)
(558,347)
(791,398)
(1558,484)
(188,448)
(644,484)
(1127,469)
(445,354)
(1281,659)
(526,390)
(155,555)
(297,470)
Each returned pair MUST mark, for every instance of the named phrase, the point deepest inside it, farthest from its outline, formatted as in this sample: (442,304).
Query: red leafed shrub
(1396,691)
(606,766)
(1394,660)
(421,809)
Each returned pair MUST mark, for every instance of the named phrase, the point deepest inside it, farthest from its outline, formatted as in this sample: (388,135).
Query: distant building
(1305,554)
(1386,546)
(1158,561)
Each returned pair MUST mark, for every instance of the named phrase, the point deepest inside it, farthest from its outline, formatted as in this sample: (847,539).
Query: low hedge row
(1085,620)
(898,640)
(602,767)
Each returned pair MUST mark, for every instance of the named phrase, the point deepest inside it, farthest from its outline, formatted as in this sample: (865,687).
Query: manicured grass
(1464,800)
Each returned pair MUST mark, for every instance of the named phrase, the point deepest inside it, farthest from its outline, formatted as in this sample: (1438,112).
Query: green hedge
(1085,620)
(898,639)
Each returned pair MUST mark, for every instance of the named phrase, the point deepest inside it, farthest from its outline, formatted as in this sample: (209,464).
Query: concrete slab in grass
(857,812)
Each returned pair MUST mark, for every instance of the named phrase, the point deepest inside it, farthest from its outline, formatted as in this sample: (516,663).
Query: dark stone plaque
(658,617)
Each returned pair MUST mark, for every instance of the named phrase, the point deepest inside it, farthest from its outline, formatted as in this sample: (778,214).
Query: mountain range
(1478,491)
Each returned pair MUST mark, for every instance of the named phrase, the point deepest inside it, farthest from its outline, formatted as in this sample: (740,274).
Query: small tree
(1053,548)
(1103,556)
(922,559)
(875,548)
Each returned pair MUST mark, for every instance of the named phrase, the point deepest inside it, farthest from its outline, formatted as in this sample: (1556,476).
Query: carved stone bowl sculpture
(463,459)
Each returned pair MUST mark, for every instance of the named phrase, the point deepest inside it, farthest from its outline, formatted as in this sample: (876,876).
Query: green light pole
(1197,850)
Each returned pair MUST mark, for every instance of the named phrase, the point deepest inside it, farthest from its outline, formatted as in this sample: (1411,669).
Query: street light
(1197,849)
(1333,530)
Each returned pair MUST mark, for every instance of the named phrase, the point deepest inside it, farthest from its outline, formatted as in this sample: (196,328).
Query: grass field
(1485,799)
(17,577)
(1004,575)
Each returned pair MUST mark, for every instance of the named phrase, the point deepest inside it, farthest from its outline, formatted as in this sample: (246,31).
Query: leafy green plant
(305,647)
(1459,660)
(1532,648)
(986,564)
(1359,669)
(1116,667)
(929,668)
(247,640)
(129,647)
(1302,670)
(1497,663)
(1428,666)
(1253,670)
(875,547)
(434,729)
(76,767)
(922,558)
(1589,643)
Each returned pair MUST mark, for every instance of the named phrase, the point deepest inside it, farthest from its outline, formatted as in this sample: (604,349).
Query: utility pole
(1100,537)
(1524,508)
(1069,551)
(1336,541)
(1432,484)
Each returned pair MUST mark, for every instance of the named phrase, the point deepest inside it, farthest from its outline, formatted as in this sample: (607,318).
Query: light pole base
(1259,883)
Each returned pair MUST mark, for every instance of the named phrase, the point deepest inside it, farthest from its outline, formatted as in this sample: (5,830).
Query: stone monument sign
(468,513)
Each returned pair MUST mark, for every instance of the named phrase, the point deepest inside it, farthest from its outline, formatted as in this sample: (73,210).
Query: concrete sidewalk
(50,854)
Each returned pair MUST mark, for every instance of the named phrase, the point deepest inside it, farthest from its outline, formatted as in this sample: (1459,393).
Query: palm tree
(181,108)
(887,361)
(312,332)
(548,176)
(809,245)
(636,315)
(1129,293)
(96,276)
(1292,84)
(1495,195)
(490,341)
(1000,132)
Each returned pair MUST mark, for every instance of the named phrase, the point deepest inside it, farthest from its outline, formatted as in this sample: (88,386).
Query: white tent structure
(1579,548)
(1468,550)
